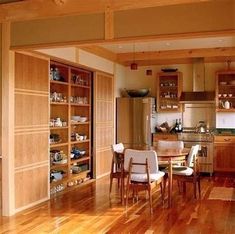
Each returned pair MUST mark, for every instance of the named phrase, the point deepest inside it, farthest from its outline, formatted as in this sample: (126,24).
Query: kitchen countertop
(224,132)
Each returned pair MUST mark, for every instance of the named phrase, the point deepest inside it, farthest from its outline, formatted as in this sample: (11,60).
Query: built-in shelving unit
(70,126)
(169,88)
(225,91)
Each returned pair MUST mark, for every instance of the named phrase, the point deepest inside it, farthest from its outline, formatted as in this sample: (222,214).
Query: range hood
(198,94)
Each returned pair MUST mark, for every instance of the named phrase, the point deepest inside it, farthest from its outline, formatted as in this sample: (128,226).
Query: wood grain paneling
(104,122)
(31,130)
(104,160)
(31,110)
(31,186)
(31,73)
(31,148)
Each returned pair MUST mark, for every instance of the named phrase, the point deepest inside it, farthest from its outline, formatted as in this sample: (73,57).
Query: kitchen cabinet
(164,136)
(70,126)
(224,157)
(225,91)
(169,88)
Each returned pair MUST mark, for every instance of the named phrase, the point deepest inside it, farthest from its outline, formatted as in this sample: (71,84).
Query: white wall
(96,62)
(68,53)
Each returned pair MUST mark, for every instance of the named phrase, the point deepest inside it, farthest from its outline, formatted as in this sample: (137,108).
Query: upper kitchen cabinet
(225,91)
(169,88)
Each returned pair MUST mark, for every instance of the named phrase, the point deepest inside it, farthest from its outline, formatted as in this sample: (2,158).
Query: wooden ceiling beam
(37,9)
(139,57)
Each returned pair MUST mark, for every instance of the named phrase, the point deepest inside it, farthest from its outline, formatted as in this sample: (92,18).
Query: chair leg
(195,189)
(199,187)
(162,193)
(178,183)
(110,185)
(150,200)
(127,194)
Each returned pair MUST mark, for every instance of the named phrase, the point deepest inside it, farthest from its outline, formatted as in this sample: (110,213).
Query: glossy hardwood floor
(89,210)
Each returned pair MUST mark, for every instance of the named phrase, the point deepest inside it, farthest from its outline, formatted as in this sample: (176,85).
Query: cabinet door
(224,158)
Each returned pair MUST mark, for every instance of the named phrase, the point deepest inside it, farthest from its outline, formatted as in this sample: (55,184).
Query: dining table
(169,156)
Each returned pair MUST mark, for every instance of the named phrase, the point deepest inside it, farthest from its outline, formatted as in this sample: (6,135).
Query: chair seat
(139,177)
(182,170)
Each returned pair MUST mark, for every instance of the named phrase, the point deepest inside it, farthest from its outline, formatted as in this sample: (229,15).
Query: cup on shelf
(224,95)
(230,94)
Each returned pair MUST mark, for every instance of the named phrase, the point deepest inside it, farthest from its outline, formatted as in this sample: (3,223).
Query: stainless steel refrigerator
(135,120)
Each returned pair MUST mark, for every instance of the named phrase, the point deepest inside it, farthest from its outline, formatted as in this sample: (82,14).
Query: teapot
(227,105)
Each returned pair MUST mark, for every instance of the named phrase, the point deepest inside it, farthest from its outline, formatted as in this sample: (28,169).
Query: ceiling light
(134,65)
(149,72)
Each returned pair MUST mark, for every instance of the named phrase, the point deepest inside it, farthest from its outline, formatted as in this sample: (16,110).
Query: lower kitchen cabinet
(224,153)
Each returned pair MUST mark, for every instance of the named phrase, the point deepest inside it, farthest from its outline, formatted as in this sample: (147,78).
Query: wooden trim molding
(8,103)
(39,9)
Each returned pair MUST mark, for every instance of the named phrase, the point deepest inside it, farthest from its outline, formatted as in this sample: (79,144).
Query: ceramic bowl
(83,119)
(75,118)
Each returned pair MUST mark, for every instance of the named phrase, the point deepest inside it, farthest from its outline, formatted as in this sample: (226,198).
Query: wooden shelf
(174,91)
(56,166)
(78,175)
(225,110)
(79,142)
(72,161)
(65,111)
(56,128)
(59,103)
(80,123)
(59,82)
(58,145)
(76,104)
(80,86)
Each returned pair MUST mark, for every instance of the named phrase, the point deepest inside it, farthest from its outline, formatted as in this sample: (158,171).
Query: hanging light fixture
(134,65)
(149,72)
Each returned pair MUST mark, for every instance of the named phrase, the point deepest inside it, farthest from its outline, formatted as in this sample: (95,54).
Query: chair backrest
(170,144)
(119,148)
(192,154)
(140,156)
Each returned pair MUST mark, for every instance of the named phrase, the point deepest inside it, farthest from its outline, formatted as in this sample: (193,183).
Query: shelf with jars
(70,126)
(169,88)
(225,91)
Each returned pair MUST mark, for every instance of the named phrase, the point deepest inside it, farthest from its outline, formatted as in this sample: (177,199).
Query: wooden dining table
(166,155)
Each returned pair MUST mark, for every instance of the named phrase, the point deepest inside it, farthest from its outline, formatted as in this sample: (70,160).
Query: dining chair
(116,165)
(190,172)
(143,173)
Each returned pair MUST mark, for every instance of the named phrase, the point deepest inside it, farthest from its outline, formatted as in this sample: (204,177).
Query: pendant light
(134,65)
(149,72)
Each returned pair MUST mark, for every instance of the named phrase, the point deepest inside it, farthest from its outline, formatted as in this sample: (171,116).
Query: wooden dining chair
(116,165)
(190,172)
(143,173)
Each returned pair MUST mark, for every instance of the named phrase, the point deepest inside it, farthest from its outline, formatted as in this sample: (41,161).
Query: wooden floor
(89,210)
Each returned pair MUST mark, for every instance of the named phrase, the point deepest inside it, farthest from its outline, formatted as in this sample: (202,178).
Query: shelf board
(79,142)
(168,87)
(227,97)
(79,123)
(168,99)
(59,82)
(55,166)
(58,145)
(169,110)
(56,128)
(80,86)
(62,181)
(59,103)
(78,175)
(225,110)
(76,104)
(79,159)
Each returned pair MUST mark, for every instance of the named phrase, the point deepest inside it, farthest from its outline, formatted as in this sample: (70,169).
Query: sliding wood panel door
(103,122)
(31,130)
